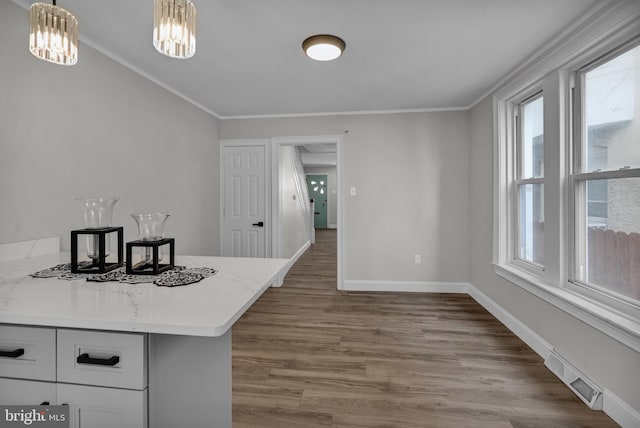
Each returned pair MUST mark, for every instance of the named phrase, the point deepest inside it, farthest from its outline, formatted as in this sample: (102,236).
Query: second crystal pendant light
(174,28)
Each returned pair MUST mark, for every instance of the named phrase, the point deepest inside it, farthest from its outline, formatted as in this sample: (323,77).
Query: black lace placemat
(177,276)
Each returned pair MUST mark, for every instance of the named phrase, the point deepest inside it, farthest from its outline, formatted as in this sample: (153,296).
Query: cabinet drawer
(116,360)
(15,392)
(29,352)
(96,407)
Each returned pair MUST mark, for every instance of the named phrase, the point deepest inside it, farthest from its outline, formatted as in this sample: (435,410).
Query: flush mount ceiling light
(323,47)
(54,34)
(174,28)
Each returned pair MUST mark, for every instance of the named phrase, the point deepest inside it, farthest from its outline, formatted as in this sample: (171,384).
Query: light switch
(353,191)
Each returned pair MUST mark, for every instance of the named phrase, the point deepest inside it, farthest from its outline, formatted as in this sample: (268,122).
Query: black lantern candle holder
(98,238)
(150,263)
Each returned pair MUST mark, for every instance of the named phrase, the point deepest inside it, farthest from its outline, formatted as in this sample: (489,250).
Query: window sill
(604,319)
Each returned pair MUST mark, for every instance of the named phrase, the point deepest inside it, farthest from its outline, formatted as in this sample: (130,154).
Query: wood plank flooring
(307,355)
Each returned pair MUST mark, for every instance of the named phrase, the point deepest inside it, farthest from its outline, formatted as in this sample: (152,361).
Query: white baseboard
(298,254)
(291,262)
(332,226)
(23,249)
(405,286)
(528,336)
(619,411)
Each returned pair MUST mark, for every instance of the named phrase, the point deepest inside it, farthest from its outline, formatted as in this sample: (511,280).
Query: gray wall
(601,358)
(98,128)
(295,211)
(412,180)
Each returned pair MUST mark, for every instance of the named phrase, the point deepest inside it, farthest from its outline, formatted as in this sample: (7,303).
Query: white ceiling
(400,55)
(318,155)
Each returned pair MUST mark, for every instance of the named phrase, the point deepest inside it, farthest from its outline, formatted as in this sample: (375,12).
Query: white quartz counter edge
(208,308)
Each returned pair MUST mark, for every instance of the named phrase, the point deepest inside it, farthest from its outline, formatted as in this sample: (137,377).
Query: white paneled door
(244,212)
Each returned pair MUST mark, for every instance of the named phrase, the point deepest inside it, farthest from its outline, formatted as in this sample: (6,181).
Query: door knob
(259,224)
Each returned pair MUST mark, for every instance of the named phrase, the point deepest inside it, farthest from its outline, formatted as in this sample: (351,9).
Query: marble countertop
(207,308)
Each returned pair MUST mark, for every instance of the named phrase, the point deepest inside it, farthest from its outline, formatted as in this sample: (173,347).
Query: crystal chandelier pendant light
(174,28)
(54,34)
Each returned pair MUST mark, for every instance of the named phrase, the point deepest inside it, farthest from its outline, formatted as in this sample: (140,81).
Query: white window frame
(551,69)
(578,181)
(507,221)
(519,181)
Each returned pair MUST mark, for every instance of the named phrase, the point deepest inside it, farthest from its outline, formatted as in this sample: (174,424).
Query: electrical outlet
(418,259)
(353,191)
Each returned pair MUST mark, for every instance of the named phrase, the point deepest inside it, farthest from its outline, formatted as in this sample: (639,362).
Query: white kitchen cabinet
(102,376)
(28,352)
(188,330)
(117,360)
(97,407)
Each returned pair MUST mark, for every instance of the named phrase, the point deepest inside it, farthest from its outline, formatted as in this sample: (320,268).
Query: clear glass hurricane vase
(150,228)
(97,214)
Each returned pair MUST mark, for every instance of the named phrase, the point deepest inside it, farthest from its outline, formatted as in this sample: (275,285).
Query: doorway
(318,147)
(318,192)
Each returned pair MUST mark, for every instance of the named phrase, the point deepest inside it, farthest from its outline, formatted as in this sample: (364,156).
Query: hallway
(308,355)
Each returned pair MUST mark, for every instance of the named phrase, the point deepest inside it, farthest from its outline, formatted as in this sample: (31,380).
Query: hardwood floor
(307,355)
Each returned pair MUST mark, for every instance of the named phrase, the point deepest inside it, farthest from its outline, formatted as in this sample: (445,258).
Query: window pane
(612,94)
(532,149)
(613,235)
(531,224)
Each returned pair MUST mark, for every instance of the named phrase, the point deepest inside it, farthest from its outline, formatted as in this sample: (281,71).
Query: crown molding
(347,113)
(602,28)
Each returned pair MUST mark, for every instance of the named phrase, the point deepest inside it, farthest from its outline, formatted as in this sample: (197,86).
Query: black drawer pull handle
(44,403)
(12,354)
(86,359)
